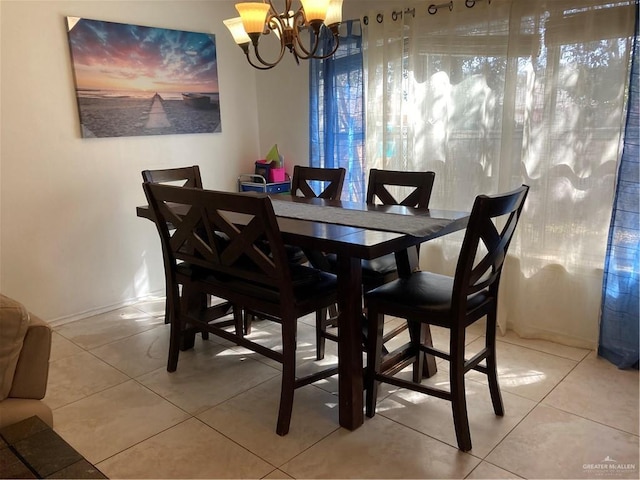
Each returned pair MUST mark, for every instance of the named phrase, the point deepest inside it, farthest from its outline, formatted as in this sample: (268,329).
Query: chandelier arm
(336,44)
(299,48)
(245,50)
(306,54)
(274,10)
(258,66)
(256,52)
(272,23)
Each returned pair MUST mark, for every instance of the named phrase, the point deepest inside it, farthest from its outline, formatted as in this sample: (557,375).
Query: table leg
(407,262)
(350,342)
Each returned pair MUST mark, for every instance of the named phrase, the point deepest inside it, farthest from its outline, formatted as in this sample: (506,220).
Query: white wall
(70,241)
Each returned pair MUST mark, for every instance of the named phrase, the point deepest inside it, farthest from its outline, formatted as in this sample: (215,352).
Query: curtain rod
(432,10)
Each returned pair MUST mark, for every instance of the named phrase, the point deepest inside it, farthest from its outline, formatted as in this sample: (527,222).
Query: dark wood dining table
(352,240)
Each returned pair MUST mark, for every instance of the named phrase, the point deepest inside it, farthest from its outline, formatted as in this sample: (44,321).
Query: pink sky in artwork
(116,56)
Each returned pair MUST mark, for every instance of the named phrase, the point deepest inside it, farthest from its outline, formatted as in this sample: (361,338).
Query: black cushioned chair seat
(303,277)
(425,290)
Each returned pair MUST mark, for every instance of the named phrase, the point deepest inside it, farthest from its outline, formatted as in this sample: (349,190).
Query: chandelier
(260,19)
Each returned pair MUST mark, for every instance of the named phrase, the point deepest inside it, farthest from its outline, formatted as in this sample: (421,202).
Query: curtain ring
(394,15)
(365,20)
(469,3)
(433,9)
(379,18)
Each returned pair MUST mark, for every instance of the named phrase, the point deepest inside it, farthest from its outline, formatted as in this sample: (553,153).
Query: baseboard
(56,322)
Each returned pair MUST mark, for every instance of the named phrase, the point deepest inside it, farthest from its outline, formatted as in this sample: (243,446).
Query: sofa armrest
(32,370)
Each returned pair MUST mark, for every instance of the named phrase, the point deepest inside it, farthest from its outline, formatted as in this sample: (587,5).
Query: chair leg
(248,320)
(374,359)
(321,328)
(206,301)
(239,317)
(174,346)
(415,334)
(333,311)
(167,308)
(458,396)
(288,376)
(175,336)
(492,366)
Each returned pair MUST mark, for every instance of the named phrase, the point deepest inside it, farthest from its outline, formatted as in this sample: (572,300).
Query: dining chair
(326,183)
(317,182)
(385,187)
(238,270)
(188,176)
(312,182)
(180,176)
(453,303)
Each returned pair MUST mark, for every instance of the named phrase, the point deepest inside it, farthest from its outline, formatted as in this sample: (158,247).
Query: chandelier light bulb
(315,10)
(254,16)
(334,13)
(237,30)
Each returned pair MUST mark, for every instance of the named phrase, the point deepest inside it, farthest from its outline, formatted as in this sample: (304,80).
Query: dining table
(355,231)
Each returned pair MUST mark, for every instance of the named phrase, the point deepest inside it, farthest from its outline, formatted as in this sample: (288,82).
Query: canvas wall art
(133,80)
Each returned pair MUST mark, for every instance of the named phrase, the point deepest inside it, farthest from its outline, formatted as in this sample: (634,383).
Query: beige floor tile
(268,334)
(153,306)
(78,376)
(433,416)
(132,432)
(598,390)
(138,354)
(529,373)
(188,450)
(250,420)
(380,449)
(113,420)
(206,377)
(108,327)
(487,471)
(550,443)
(572,353)
(62,348)
(309,320)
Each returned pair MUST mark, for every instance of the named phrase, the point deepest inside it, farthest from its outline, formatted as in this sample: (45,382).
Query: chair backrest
(418,185)
(491,226)
(181,176)
(305,178)
(222,235)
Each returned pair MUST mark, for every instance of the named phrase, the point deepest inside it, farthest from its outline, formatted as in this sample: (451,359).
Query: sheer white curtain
(501,94)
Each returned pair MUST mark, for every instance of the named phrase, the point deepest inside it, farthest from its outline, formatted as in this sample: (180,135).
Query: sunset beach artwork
(133,80)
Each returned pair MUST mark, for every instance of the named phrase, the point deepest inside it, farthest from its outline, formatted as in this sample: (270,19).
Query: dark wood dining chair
(311,182)
(314,182)
(180,176)
(317,182)
(326,183)
(453,303)
(412,189)
(188,176)
(239,270)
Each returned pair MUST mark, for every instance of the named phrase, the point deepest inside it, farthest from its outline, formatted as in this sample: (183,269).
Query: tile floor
(568,413)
